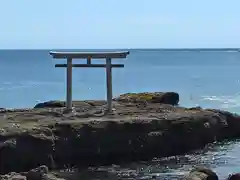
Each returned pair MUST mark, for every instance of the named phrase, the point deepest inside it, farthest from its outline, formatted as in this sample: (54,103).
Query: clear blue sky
(119,24)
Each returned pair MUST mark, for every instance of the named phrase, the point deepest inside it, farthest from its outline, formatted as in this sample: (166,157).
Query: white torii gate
(89,56)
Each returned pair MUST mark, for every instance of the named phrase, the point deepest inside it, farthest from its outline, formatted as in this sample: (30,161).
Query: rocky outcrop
(156,97)
(43,173)
(234,176)
(134,131)
(50,104)
(171,98)
(40,173)
(27,148)
(201,173)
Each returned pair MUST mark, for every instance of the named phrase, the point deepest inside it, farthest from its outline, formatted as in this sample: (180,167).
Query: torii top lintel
(87,55)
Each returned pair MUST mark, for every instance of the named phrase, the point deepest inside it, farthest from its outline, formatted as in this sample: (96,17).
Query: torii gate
(89,56)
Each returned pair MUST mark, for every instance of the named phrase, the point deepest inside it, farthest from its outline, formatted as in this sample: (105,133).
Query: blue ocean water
(201,77)
(205,78)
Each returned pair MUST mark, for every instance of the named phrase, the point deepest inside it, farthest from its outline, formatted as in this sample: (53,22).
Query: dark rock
(37,173)
(232,121)
(50,104)
(130,133)
(28,149)
(103,141)
(156,97)
(40,173)
(13,176)
(8,155)
(166,98)
(195,108)
(201,173)
(80,105)
(234,176)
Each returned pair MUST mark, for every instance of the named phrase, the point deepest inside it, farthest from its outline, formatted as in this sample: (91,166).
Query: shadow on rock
(234,176)
(26,151)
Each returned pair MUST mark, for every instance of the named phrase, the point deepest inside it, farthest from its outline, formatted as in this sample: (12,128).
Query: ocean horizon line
(119,49)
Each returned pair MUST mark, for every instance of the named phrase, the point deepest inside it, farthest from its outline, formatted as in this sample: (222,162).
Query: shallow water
(222,157)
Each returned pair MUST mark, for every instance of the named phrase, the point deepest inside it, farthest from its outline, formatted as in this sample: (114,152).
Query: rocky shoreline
(43,173)
(142,126)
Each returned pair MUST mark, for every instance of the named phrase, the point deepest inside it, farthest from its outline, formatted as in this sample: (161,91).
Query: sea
(209,78)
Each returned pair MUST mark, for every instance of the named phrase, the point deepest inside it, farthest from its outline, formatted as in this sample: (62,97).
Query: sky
(100,24)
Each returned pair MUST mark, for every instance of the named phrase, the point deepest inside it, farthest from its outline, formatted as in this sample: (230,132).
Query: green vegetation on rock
(153,97)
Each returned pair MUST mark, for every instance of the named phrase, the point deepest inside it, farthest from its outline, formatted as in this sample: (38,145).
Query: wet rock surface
(39,173)
(136,130)
(201,173)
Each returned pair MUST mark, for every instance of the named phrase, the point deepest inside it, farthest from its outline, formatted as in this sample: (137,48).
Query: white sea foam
(230,101)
